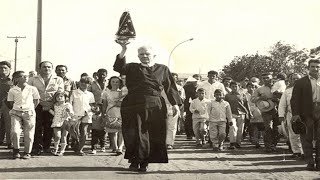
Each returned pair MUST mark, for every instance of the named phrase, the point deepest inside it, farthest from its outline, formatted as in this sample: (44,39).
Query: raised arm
(120,62)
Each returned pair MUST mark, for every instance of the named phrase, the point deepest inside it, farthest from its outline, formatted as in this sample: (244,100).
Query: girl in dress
(62,111)
(111,99)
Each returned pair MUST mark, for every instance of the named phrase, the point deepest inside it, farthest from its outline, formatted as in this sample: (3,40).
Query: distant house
(184,76)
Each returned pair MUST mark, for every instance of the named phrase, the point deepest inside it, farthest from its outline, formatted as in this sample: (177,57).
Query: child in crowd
(256,121)
(23,99)
(83,102)
(111,102)
(98,133)
(219,115)
(240,109)
(199,110)
(62,111)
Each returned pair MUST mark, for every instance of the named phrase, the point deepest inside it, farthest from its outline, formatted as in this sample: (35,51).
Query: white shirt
(181,91)
(46,92)
(23,100)
(210,88)
(279,86)
(315,85)
(284,104)
(81,101)
(201,106)
(219,111)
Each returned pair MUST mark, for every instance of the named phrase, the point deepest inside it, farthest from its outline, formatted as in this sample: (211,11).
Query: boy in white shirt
(23,99)
(199,110)
(83,102)
(219,116)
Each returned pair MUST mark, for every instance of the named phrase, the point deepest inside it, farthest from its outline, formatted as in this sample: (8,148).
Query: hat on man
(299,127)
(191,79)
(265,106)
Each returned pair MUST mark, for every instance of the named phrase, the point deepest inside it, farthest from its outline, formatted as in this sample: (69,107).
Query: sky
(81,33)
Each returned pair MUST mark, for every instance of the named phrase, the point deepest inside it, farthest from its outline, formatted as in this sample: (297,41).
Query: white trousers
(293,138)
(171,126)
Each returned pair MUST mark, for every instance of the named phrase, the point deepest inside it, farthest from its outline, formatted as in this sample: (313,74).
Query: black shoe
(16,154)
(232,146)
(143,167)
(10,146)
(46,150)
(237,145)
(268,150)
(134,166)
(296,155)
(36,152)
(310,167)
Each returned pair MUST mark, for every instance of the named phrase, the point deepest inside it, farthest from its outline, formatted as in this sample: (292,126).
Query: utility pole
(39,36)
(15,52)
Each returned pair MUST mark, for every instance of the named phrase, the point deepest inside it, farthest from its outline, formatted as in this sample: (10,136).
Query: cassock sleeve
(170,88)
(120,65)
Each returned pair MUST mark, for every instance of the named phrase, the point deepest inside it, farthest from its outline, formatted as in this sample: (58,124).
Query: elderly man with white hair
(143,110)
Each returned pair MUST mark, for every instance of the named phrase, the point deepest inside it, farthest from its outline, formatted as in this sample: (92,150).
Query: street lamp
(176,47)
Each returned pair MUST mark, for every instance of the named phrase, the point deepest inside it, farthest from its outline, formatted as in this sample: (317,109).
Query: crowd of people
(143,109)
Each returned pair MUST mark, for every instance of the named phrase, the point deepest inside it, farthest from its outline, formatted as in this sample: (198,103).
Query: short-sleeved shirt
(46,92)
(97,91)
(23,100)
(81,101)
(210,88)
(69,84)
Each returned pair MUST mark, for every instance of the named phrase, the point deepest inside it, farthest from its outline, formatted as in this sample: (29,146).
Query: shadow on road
(227,171)
(61,169)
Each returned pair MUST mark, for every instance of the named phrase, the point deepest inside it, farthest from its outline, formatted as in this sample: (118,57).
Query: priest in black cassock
(144,110)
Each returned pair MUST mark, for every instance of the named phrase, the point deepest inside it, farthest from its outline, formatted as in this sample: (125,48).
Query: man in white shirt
(47,84)
(23,99)
(211,85)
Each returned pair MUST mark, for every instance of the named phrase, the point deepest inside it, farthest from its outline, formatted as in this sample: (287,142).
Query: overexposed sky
(81,33)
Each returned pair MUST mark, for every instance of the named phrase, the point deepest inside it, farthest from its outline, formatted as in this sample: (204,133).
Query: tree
(281,58)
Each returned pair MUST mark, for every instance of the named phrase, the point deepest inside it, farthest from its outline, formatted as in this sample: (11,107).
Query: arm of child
(229,114)
(36,102)
(51,112)
(192,107)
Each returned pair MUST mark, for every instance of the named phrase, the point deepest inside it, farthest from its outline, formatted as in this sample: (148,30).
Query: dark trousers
(5,125)
(43,133)
(180,123)
(313,133)
(98,136)
(188,124)
(271,135)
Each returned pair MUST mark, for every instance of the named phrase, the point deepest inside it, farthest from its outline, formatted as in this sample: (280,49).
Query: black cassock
(144,110)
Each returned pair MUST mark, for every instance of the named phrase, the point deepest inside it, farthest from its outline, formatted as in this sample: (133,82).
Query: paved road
(185,162)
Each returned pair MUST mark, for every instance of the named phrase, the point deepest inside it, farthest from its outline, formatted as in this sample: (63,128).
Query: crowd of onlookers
(215,110)
(52,106)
